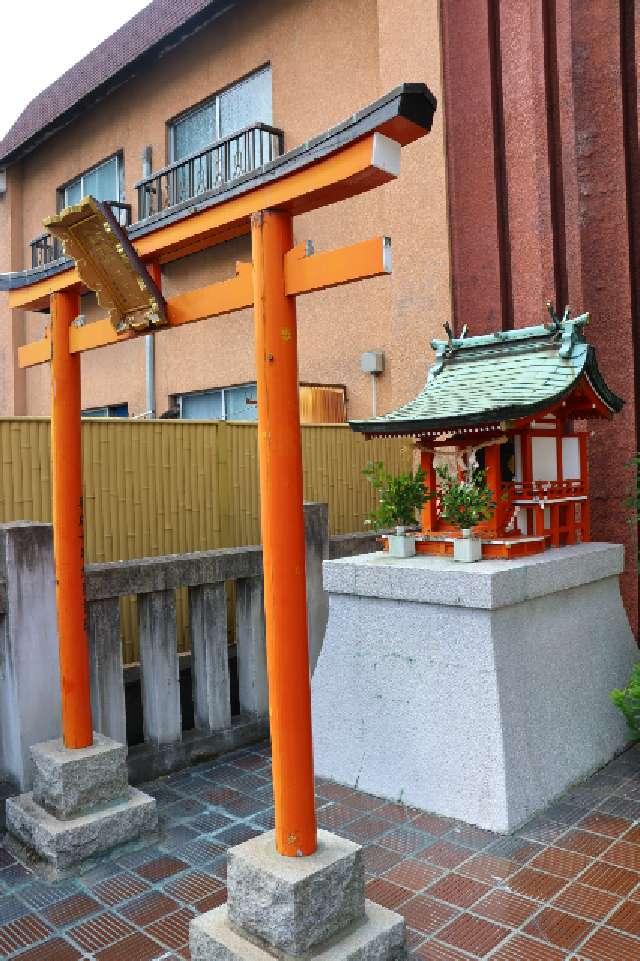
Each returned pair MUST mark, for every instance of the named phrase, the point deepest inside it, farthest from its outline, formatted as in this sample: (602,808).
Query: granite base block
(294,904)
(60,845)
(69,783)
(379,935)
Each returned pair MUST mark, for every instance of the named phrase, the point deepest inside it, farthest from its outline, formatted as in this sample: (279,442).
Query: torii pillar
(283,541)
(296,890)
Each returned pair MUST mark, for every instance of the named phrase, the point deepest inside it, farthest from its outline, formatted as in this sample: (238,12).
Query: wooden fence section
(170,487)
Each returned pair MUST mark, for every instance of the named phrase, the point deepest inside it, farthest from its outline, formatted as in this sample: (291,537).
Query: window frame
(178,398)
(201,104)
(89,412)
(118,156)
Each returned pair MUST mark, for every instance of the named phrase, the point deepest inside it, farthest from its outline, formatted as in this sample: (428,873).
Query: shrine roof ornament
(505,376)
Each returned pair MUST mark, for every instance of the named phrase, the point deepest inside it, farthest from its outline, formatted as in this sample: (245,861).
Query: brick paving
(565,886)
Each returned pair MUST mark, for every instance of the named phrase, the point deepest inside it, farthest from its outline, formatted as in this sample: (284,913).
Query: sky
(39,40)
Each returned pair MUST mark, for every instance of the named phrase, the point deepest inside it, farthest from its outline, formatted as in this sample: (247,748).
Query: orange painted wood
(304,274)
(283,543)
(222,298)
(38,352)
(429,519)
(494,483)
(68,533)
(211,301)
(359,167)
(36,295)
(585,508)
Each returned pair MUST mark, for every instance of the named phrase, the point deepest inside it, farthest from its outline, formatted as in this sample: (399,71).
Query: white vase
(467,548)
(401,544)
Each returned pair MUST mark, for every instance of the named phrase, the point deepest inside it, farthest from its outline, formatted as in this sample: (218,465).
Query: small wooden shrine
(513,403)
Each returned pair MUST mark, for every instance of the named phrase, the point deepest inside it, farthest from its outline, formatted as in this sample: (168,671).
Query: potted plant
(399,497)
(465,503)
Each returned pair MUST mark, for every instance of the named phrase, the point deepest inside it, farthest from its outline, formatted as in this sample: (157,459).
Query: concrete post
(316,533)
(107,681)
(29,668)
(252,656)
(209,657)
(160,667)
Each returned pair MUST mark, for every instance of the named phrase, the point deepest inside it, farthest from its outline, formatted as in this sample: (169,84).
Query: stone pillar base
(473,691)
(294,907)
(81,806)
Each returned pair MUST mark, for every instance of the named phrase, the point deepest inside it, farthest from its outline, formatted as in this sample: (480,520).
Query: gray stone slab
(60,846)
(69,783)
(487,707)
(378,936)
(293,904)
(489,585)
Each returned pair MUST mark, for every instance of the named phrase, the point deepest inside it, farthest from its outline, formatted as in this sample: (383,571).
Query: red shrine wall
(544,196)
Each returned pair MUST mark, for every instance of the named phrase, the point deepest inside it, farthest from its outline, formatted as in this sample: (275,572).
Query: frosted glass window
(246,103)
(545,461)
(236,406)
(73,194)
(224,403)
(102,182)
(195,131)
(204,406)
(517,449)
(570,458)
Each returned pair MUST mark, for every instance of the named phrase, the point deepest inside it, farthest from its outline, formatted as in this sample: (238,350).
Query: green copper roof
(497,377)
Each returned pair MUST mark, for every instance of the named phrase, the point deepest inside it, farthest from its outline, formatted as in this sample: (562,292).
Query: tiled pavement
(567,886)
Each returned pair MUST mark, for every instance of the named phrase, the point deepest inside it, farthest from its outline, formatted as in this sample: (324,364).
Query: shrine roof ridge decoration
(504,376)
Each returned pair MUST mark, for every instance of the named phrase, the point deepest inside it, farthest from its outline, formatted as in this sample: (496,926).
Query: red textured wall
(544,193)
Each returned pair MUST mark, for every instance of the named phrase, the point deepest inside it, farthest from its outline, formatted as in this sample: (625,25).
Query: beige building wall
(328,59)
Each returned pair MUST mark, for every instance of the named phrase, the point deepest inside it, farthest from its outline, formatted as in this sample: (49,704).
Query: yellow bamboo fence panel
(169,487)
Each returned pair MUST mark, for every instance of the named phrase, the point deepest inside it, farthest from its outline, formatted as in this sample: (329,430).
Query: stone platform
(302,907)
(81,806)
(477,692)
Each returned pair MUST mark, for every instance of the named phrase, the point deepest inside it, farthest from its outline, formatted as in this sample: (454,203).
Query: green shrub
(464,503)
(628,700)
(399,496)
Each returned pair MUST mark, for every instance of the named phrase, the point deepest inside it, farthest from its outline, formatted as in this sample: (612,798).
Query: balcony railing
(216,165)
(46,248)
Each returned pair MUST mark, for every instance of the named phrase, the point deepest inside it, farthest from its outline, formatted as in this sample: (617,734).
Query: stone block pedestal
(81,806)
(478,692)
(297,907)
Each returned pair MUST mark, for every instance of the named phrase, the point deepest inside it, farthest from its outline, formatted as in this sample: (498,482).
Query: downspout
(150,375)
(149,343)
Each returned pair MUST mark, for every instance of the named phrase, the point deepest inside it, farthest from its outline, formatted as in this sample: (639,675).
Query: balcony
(45,249)
(225,160)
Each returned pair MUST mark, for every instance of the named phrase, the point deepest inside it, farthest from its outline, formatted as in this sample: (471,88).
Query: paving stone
(473,934)
(586,902)
(386,893)
(542,887)
(559,928)
(71,909)
(22,933)
(506,908)
(426,914)
(100,932)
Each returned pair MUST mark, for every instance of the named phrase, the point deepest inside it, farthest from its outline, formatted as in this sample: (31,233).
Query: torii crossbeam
(356,156)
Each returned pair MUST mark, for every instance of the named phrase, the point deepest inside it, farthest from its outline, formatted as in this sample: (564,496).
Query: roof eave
(499,414)
(108,86)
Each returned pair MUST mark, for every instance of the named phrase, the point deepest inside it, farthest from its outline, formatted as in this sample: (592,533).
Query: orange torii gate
(125,271)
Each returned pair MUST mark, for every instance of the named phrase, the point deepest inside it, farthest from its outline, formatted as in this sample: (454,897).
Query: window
(226,403)
(112,410)
(102,182)
(245,103)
